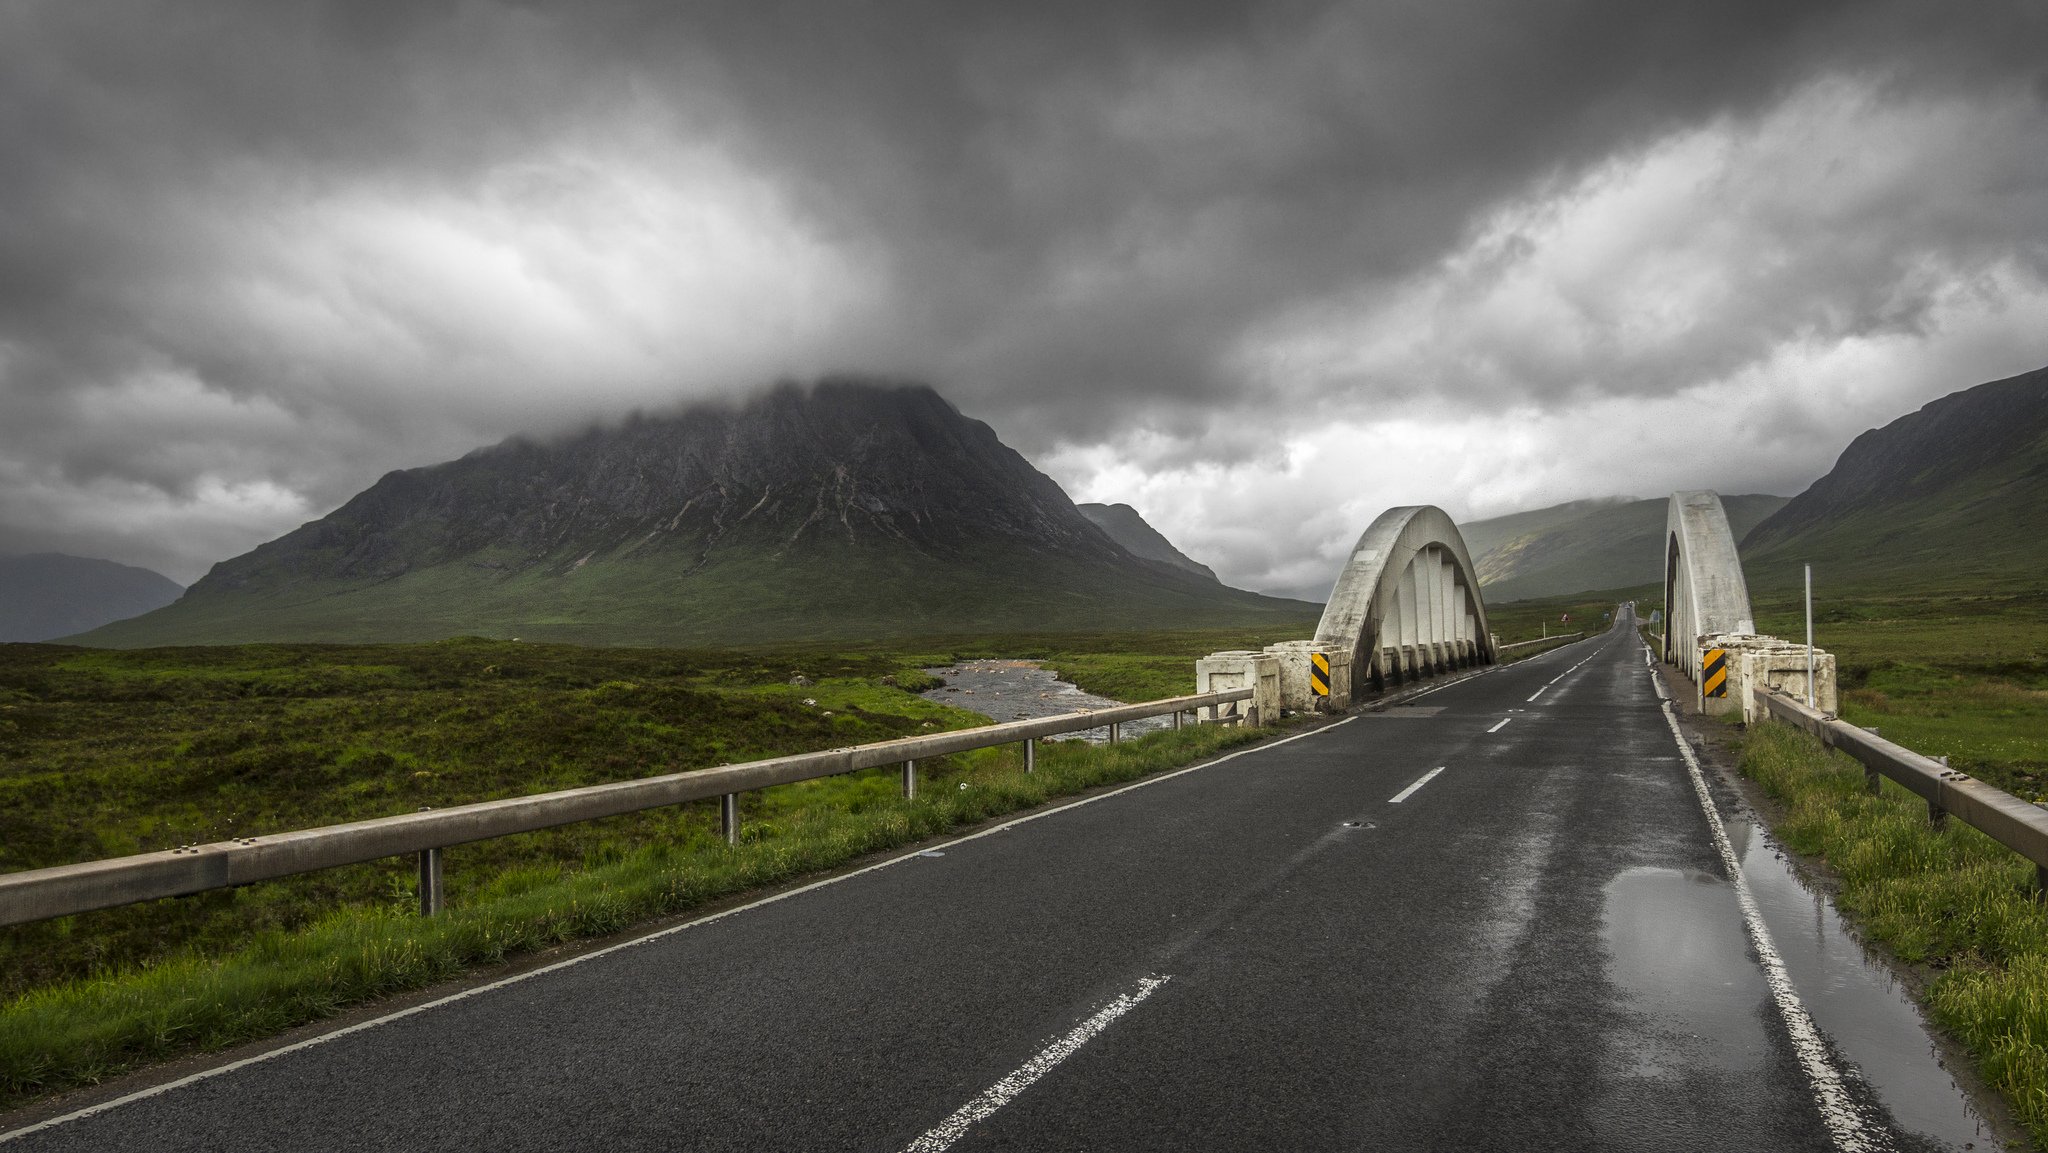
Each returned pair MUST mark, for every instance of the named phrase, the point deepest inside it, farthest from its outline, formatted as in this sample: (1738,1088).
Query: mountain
(1585,545)
(1952,496)
(1127,528)
(50,594)
(849,510)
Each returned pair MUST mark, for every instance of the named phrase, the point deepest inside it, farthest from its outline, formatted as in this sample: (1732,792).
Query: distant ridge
(1127,528)
(47,595)
(1584,546)
(851,509)
(1953,495)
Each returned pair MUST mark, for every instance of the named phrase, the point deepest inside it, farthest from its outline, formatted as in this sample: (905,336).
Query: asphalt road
(1294,948)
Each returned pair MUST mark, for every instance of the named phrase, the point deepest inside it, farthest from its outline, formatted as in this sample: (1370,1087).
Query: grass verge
(81,1031)
(1949,899)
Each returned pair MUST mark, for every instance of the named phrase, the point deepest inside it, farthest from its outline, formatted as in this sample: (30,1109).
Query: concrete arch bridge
(1406,605)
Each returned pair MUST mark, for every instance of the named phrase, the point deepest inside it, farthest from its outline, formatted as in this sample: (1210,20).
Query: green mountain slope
(1954,496)
(1585,545)
(852,510)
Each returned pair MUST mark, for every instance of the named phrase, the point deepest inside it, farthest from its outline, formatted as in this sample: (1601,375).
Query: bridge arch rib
(1704,591)
(1407,602)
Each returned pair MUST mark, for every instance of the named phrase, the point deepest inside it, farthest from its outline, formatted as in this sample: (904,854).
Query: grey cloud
(1070,215)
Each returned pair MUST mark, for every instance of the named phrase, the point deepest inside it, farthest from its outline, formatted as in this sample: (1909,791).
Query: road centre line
(516,978)
(1851,1129)
(1408,792)
(1539,692)
(1500,726)
(941,1136)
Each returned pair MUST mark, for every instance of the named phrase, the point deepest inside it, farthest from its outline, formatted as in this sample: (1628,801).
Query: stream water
(1016,690)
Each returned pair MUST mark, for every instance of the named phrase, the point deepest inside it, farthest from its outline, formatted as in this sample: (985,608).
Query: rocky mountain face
(1954,493)
(848,509)
(48,595)
(1127,528)
(847,462)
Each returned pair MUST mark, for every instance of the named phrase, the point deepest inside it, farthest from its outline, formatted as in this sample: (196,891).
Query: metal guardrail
(38,894)
(1560,638)
(2012,822)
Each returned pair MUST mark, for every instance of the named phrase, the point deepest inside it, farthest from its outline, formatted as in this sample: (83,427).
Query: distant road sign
(1714,673)
(1319,673)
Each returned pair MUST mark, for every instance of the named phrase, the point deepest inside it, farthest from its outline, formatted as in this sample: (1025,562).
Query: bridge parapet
(1296,693)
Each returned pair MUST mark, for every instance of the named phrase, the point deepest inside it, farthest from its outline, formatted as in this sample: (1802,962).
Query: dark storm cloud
(253,255)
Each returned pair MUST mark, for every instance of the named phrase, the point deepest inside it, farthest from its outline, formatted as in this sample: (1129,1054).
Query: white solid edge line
(1500,726)
(1408,792)
(941,1136)
(1851,1130)
(361,1026)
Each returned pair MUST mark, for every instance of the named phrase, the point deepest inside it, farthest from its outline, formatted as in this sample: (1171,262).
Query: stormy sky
(1259,270)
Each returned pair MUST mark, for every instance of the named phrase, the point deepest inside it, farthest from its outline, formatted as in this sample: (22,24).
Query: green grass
(104,753)
(742,593)
(1947,898)
(1946,675)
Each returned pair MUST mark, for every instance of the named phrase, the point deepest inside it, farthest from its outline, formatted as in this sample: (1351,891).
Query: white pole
(1809,637)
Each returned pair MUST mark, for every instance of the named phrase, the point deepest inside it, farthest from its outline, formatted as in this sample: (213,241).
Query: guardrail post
(1177,715)
(729,817)
(1030,754)
(1112,732)
(1936,815)
(433,896)
(1873,781)
(910,780)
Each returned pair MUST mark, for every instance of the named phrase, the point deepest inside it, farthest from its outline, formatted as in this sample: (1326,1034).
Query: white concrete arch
(1407,602)
(1704,592)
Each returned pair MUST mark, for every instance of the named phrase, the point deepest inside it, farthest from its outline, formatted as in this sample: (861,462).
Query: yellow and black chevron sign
(1714,673)
(1319,673)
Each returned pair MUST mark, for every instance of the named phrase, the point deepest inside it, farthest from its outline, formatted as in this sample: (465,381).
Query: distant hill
(1952,496)
(848,510)
(1585,545)
(1127,528)
(47,595)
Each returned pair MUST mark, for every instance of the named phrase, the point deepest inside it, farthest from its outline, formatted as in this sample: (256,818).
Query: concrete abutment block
(1243,669)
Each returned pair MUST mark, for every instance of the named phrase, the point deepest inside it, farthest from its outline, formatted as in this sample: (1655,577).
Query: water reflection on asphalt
(1016,690)
(1678,953)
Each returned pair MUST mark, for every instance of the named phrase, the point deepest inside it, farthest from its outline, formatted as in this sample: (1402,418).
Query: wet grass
(1948,898)
(1945,674)
(105,753)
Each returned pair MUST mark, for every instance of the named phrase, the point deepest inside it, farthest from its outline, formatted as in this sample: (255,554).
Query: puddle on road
(1679,950)
(1676,943)
(1854,998)
(1015,690)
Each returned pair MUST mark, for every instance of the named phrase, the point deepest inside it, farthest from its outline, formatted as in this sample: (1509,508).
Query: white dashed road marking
(942,1135)
(1408,792)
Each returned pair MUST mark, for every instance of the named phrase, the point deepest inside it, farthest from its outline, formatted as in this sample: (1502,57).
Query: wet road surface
(1495,918)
